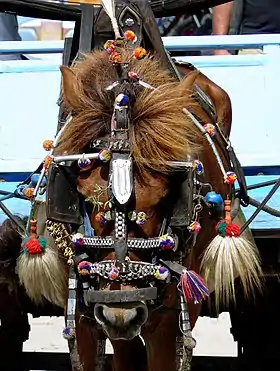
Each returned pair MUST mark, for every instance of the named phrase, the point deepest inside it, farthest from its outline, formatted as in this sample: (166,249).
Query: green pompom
(43,242)
(221,228)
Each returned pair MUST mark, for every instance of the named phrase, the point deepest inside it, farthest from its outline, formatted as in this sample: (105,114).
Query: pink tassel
(193,287)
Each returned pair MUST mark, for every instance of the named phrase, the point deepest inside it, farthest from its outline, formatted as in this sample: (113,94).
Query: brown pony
(160,136)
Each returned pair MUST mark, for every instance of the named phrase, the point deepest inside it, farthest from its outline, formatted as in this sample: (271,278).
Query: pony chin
(43,276)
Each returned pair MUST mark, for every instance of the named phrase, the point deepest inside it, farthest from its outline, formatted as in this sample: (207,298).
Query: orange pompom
(230,178)
(139,53)
(48,161)
(28,192)
(48,144)
(115,57)
(130,36)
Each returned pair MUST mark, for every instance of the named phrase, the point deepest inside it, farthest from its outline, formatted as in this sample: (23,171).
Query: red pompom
(232,230)
(33,245)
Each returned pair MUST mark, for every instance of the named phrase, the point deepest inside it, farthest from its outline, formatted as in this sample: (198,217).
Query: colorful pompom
(133,75)
(198,167)
(84,162)
(115,57)
(78,239)
(100,218)
(112,273)
(28,192)
(105,155)
(139,53)
(48,161)
(193,287)
(233,230)
(122,100)
(132,215)
(162,273)
(141,218)
(33,245)
(109,46)
(48,144)
(227,229)
(130,36)
(230,178)
(69,333)
(166,242)
(210,128)
(84,268)
(194,227)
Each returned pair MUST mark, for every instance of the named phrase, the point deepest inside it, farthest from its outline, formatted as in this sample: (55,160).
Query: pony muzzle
(121,321)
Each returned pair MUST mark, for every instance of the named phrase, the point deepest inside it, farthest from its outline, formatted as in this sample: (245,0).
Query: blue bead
(214,198)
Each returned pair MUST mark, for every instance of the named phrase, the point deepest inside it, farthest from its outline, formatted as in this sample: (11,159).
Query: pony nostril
(99,314)
(142,314)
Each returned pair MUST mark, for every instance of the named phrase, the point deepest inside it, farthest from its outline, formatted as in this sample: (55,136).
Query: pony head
(129,114)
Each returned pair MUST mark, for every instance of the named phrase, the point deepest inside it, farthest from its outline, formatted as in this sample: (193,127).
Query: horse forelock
(160,131)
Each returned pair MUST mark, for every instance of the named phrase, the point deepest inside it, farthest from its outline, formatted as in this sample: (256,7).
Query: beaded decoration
(48,144)
(105,155)
(162,273)
(167,242)
(130,36)
(194,227)
(198,167)
(112,273)
(84,162)
(69,333)
(230,177)
(121,100)
(211,129)
(139,53)
(139,218)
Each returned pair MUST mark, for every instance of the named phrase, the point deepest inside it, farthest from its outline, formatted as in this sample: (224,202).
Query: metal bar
(180,163)
(177,43)
(171,43)
(65,158)
(29,66)
(259,185)
(31,47)
(260,207)
(87,20)
(7,197)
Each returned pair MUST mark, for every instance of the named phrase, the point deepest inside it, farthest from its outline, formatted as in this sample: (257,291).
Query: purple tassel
(193,287)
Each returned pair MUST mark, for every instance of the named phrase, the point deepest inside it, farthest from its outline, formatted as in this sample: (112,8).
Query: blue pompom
(122,100)
(69,333)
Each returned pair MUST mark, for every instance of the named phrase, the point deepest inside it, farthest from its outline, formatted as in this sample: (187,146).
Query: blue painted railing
(31,88)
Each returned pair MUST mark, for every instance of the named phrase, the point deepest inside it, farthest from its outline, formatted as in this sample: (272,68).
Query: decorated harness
(68,216)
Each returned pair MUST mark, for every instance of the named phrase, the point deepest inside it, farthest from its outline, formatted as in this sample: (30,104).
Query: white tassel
(109,7)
